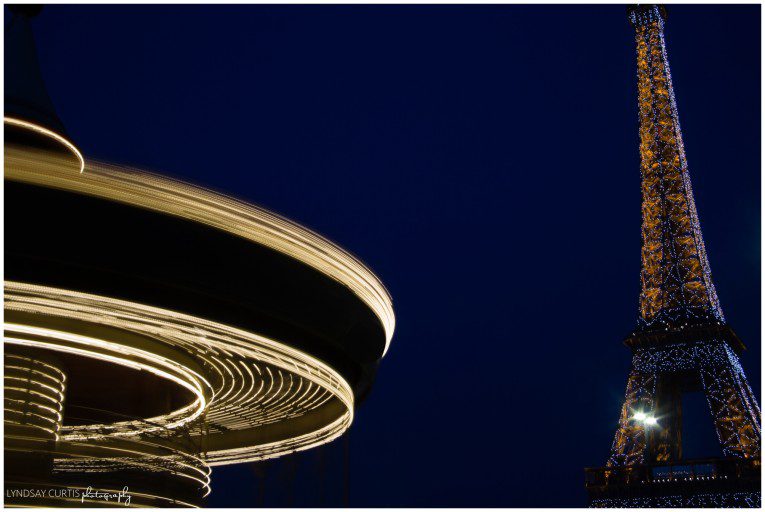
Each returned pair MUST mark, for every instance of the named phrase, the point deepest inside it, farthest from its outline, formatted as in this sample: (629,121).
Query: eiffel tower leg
(734,408)
(664,440)
(629,442)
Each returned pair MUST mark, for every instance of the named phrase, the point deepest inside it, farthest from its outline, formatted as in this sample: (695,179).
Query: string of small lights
(676,281)
(720,500)
(681,329)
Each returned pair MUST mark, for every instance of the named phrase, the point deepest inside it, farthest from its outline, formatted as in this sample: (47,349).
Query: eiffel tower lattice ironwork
(682,342)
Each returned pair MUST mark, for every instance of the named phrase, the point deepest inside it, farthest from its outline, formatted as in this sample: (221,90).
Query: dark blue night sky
(483,161)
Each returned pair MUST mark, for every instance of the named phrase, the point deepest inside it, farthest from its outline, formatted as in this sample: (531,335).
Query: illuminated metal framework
(676,283)
(682,342)
(732,500)
(733,405)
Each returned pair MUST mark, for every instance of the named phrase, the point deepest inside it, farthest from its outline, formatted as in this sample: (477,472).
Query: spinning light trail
(251,397)
(154,329)
(147,190)
(247,381)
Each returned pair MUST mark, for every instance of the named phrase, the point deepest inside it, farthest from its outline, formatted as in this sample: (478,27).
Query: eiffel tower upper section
(677,292)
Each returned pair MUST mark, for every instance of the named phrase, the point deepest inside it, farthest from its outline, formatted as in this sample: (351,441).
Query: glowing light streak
(192,381)
(234,400)
(47,133)
(154,192)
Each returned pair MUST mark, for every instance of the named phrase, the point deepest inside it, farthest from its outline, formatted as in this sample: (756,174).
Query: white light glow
(48,133)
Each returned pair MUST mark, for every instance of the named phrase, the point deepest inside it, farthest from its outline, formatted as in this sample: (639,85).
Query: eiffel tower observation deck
(682,342)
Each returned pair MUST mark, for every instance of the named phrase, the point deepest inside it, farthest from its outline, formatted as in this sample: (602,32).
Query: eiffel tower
(682,342)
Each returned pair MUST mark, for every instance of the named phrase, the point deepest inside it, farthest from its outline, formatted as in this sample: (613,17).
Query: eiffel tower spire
(676,282)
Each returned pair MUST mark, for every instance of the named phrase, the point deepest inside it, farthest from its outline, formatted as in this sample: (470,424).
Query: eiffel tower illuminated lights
(682,342)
